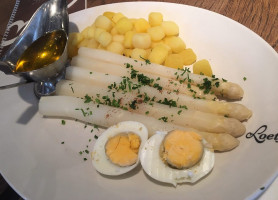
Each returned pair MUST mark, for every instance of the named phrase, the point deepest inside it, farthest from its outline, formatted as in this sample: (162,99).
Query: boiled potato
(141,40)
(115,47)
(170,28)
(117,16)
(155,18)
(152,39)
(158,54)
(202,67)
(118,38)
(73,41)
(157,43)
(174,61)
(88,32)
(91,32)
(84,32)
(104,38)
(83,43)
(128,39)
(156,33)
(189,57)
(92,43)
(114,31)
(75,38)
(139,54)
(101,47)
(175,43)
(97,32)
(103,22)
(127,52)
(109,15)
(124,25)
(141,25)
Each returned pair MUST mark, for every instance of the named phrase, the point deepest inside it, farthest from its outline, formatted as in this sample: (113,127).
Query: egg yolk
(182,149)
(122,149)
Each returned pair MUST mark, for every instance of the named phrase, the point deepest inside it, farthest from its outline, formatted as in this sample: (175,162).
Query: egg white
(158,170)
(99,159)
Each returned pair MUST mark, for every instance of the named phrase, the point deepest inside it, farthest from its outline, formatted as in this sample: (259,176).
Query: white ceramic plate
(38,166)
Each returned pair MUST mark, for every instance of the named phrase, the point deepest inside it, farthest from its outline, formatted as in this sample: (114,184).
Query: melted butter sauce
(44,51)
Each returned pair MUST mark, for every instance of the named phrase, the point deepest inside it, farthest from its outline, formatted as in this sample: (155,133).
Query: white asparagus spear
(188,118)
(106,116)
(224,89)
(233,110)
(115,69)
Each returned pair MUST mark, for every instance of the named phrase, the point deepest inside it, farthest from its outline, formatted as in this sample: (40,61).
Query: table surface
(261,16)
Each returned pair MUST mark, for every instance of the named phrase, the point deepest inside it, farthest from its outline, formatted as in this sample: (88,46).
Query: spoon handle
(6,68)
(14,85)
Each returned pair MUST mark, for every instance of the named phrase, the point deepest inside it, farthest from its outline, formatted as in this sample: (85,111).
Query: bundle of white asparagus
(113,88)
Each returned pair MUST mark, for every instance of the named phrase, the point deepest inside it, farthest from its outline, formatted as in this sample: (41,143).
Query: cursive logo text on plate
(260,136)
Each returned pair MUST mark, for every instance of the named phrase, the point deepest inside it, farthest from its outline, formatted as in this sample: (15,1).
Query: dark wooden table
(261,16)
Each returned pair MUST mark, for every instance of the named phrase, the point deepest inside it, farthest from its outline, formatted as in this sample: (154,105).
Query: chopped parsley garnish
(146,60)
(133,104)
(144,79)
(146,97)
(62,142)
(170,103)
(96,137)
(165,119)
(72,89)
(88,99)
(184,107)
(206,86)
(156,85)
(244,78)
(147,112)
(179,112)
(83,112)
(96,127)
(97,101)
(63,122)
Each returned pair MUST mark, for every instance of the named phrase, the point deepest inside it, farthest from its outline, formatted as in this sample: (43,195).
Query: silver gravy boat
(49,17)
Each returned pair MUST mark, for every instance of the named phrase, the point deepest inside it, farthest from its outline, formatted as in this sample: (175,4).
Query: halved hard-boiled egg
(177,157)
(117,150)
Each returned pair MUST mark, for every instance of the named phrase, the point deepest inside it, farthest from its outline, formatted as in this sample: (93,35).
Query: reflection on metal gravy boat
(39,53)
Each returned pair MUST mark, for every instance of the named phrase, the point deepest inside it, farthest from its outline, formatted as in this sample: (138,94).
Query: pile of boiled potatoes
(154,39)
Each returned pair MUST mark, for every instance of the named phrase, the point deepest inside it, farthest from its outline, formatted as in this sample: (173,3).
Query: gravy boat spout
(51,17)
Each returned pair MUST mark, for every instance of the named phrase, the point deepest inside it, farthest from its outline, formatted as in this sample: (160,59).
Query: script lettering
(260,136)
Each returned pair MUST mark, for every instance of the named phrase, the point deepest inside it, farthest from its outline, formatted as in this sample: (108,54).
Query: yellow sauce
(44,51)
